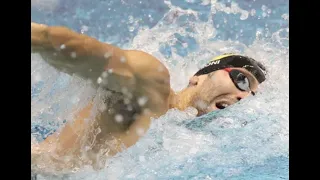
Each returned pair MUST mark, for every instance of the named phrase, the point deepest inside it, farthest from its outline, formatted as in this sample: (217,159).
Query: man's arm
(85,56)
(139,72)
(76,53)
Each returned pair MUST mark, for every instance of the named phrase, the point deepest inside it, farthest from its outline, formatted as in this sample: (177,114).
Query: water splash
(46,5)
(235,142)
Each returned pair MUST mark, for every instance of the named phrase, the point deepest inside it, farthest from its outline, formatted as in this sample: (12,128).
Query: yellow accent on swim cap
(222,56)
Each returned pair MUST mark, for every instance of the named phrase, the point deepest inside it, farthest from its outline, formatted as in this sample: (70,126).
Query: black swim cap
(232,60)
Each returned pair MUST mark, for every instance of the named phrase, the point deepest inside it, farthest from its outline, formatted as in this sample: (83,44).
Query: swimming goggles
(240,80)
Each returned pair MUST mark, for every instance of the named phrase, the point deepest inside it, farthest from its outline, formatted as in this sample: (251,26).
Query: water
(245,141)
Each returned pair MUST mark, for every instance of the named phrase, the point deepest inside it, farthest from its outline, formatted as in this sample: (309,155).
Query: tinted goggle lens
(239,79)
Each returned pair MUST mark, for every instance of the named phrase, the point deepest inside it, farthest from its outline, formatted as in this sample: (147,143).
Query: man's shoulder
(152,74)
(143,62)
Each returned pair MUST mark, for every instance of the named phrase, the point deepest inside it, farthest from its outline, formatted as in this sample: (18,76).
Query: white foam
(47,5)
(247,133)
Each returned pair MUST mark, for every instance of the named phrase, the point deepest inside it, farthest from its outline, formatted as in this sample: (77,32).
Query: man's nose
(241,94)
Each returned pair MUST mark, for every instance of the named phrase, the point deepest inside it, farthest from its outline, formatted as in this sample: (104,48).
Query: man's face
(215,91)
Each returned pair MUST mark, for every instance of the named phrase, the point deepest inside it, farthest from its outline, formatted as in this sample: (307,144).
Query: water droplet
(99,80)
(107,54)
(253,12)
(285,16)
(258,34)
(140,131)
(118,118)
(102,107)
(97,131)
(122,59)
(62,46)
(104,74)
(264,14)
(218,26)
(214,11)
(84,29)
(130,19)
(90,70)
(73,54)
(142,100)
(244,15)
(131,28)
(269,11)
(110,71)
(225,20)
(264,7)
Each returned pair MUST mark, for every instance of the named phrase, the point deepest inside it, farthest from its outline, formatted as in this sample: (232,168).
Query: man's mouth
(221,105)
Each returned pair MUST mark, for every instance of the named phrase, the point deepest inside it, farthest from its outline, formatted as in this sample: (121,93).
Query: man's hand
(38,34)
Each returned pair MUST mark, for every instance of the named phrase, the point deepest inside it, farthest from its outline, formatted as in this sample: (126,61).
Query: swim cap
(233,60)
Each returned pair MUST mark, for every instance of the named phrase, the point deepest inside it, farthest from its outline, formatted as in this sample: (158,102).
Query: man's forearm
(68,42)
(76,53)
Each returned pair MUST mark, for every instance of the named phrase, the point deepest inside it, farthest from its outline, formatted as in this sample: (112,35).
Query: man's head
(224,81)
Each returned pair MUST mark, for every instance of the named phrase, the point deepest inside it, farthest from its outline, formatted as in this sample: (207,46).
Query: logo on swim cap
(216,60)
(234,60)
(222,56)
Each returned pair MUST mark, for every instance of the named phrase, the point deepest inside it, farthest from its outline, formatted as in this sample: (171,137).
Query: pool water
(245,141)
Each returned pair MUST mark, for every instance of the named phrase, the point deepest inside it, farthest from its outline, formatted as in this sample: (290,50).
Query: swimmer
(137,88)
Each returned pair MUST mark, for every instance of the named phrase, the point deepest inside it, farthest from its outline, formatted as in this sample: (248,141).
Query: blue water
(256,151)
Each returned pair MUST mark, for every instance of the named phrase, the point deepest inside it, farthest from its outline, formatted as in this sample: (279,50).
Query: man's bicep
(137,71)
(149,71)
